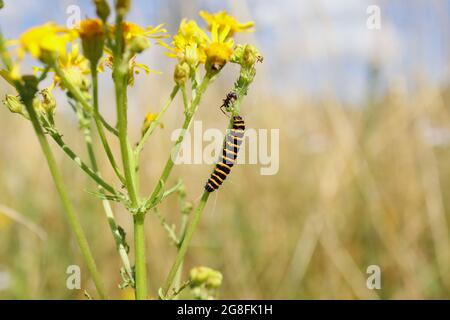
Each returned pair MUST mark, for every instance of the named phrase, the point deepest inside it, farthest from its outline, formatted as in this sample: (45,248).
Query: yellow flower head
(90,29)
(92,39)
(46,41)
(189,43)
(75,65)
(132,30)
(220,47)
(223,20)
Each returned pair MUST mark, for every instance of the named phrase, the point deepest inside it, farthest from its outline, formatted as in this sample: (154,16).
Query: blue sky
(309,46)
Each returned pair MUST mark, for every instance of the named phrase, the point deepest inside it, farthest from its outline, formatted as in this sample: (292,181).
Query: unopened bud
(207,276)
(48,102)
(102,9)
(181,73)
(14,104)
(92,39)
(139,44)
(123,6)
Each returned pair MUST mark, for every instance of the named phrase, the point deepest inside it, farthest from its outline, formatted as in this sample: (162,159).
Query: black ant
(230,98)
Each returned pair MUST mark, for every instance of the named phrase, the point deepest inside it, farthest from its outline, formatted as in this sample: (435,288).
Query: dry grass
(356,186)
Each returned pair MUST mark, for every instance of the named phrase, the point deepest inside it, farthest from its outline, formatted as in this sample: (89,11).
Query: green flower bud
(214,280)
(1,4)
(199,275)
(250,56)
(181,73)
(246,55)
(102,9)
(205,276)
(123,6)
(48,103)
(139,44)
(14,104)
(92,39)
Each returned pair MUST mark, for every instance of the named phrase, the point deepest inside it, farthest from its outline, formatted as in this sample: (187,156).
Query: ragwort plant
(200,55)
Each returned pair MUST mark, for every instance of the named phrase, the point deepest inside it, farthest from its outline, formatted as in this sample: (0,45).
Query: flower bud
(14,104)
(48,102)
(149,118)
(250,56)
(123,6)
(181,73)
(139,44)
(92,39)
(203,275)
(246,55)
(1,4)
(102,9)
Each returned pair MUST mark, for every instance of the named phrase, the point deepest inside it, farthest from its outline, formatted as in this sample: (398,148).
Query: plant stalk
(71,215)
(185,243)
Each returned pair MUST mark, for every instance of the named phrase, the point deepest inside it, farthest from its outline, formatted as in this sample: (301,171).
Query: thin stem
(185,98)
(78,95)
(185,243)
(128,168)
(155,123)
(140,260)
(71,154)
(71,215)
(176,148)
(99,125)
(117,235)
(120,76)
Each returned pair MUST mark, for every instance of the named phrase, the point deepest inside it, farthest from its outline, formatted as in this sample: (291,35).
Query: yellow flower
(92,39)
(149,118)
(90,28)
(189,43)
(134,67)
(220,47)
(131,30)
(223,20)
(76,67)
(45,41)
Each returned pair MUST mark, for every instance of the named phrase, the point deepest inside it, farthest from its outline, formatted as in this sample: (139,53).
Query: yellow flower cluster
(43,42)
(193,46)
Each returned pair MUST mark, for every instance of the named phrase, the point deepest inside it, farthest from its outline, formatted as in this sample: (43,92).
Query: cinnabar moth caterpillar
(230,151)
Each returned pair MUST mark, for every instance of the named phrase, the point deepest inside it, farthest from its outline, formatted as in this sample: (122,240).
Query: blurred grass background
(361,182)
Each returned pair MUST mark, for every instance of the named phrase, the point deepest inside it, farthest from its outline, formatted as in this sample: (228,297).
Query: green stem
(140,260)
(154,123)
(71,215)
(176,148)
(185,243)
(99,125)
(78,95)
(119,241)
(120,76)
(71,154)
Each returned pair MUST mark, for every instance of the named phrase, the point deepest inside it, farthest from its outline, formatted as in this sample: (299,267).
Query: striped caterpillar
(230,151)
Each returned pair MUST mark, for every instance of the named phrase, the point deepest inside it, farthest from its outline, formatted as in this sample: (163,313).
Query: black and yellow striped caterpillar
(230,151)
